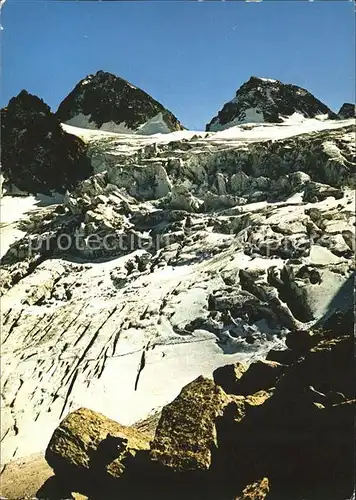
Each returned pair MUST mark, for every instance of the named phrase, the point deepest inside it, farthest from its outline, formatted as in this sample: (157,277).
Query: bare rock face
(291,437)
(347,110)
(106,102)
(255,491)
(262,100)
(86,440)
(261,375)
(186,434)
(227,376)
(37,155)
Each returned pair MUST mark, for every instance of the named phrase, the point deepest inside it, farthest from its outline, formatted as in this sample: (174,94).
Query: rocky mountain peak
(23,106)
(347,110)
(261,100)
(37,155)
(107,102)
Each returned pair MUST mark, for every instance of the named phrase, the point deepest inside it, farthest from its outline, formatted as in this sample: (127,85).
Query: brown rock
(78,496)
(227,376)
(257,399)
(186,433)
(302,433)
(328,366)
(88,440)
(284,357)
(255,491)
(301,340)
(261,375)
(340,323)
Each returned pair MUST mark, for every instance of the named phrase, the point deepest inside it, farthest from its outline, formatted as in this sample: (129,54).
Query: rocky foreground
(181,254)
(280,429)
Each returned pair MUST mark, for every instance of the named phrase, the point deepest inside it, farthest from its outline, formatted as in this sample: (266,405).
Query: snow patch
(294,119)
(251,115)
(130,85)
(155,125)
(86,81)
(268,80)
(84,121)
(13,209)
(267,131)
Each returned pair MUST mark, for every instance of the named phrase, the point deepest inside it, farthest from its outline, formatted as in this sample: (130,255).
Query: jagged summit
(347,110)
(262,100)
(107,102)
(37,155)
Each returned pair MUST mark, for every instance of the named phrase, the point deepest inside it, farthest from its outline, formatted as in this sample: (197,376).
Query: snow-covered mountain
(106,102)
(262,100)
(347,110)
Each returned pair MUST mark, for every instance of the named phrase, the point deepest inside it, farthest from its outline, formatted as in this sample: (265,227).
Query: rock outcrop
(37,155)
(262,100)
(107,102)
(186,435)
(294,441)
(261,375)
(293,437)
(347,110)
(256,491)
(228,375)
(86,440)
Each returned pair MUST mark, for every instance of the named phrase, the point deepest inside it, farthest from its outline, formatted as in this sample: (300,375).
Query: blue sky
(190,56)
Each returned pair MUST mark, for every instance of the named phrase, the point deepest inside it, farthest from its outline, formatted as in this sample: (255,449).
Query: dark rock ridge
(347,110)
(107,100)
(293,440)
(37,155)
(263,100)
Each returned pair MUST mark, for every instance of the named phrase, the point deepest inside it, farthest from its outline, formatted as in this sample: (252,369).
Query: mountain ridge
(102,109)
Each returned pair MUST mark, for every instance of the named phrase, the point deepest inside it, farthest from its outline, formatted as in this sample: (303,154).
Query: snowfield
(14,210)
(294,125)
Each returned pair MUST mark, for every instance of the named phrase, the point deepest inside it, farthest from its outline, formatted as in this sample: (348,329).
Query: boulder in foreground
(86,440)
(260,376)
(186,433)
(227,376)
(257,490)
